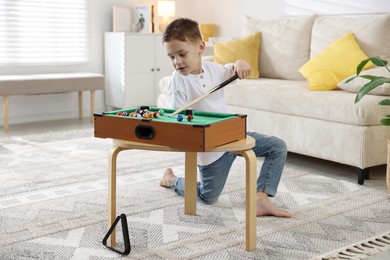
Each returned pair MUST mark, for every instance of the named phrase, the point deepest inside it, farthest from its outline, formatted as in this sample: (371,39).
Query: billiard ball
(119,114)
(125,113)
(145,111)
(179,118)
(149,114)
(161,112)
(190,117)
(155,114)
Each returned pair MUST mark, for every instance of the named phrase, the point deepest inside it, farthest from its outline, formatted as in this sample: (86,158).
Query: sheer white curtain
(44,32)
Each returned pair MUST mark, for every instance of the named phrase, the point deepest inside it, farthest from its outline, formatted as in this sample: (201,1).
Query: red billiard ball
(190,117)
(155,114)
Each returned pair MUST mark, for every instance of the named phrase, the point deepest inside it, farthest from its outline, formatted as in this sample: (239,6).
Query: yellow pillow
(244,48)
(338,61)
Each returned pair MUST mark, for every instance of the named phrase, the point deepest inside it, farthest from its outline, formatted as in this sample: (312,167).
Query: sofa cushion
(246,48)
(293,98)
(355,85)
(285,44)
(336,62)
(368,31)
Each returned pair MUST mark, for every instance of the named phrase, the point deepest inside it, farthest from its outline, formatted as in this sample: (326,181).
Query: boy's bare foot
(264,207)
(167,178)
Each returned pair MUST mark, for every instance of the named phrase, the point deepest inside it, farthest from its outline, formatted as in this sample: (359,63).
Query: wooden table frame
(242,147)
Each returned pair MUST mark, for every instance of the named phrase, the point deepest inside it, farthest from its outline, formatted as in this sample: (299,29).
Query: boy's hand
(242,69)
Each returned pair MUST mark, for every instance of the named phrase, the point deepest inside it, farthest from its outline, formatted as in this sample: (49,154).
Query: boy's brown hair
(182,29)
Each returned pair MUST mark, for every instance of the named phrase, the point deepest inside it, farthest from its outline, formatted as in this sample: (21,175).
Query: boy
(191,78)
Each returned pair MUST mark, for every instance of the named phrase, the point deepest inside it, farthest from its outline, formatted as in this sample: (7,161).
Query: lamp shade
(166,8)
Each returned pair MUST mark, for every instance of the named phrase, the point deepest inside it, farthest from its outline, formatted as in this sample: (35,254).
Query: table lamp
(166,10)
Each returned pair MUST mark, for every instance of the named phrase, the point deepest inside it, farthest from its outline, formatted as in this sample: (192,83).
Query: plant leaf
(369,77)
(385,121)
(384,102)
(375,82)
(352,78)
(376,60)
(361,65)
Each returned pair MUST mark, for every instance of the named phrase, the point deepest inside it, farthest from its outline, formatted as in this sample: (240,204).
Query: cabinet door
(139,70)
(139,53)
(145,63)
(163,64)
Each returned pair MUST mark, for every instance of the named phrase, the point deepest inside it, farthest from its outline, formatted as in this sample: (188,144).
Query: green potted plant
(374,82)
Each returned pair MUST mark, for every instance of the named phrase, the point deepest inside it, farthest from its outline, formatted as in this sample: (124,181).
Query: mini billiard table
(204,132)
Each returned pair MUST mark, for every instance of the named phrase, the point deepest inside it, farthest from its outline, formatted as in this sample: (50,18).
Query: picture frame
(121,19)
(142,22)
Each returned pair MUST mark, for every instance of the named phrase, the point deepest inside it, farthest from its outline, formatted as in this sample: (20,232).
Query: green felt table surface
(199,117)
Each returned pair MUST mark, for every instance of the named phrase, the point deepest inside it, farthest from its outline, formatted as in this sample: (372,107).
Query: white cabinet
(134,64)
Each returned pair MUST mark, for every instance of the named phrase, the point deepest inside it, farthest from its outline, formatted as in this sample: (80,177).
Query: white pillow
(164,84)
(285,44)
(356,84)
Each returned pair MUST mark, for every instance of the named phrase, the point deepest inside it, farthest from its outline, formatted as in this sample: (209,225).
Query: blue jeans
(213,176)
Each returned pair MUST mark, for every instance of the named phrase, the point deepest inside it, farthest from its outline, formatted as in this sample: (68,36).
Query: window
(38,32)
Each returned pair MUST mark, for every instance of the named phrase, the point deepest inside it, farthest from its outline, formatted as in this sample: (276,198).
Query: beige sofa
(321,124)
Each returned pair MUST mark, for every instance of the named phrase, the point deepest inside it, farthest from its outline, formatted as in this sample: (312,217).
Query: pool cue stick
(223,84)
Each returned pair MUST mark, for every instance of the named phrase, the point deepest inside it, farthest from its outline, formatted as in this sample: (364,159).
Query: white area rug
(53,205)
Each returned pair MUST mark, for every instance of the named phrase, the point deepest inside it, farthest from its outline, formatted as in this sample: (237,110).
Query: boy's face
(186,57)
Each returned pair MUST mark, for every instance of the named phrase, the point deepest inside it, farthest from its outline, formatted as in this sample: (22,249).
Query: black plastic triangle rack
(125,232)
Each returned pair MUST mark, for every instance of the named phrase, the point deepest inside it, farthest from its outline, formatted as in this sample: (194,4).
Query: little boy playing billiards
(192,78)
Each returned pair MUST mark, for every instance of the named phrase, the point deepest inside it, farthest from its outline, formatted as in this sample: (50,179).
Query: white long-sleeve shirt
(184,89)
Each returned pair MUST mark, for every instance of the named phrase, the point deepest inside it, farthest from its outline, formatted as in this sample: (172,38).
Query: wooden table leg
(190,175)
(250,159)
(112,159)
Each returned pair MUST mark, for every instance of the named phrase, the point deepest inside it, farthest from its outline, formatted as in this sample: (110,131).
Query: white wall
(228,14)
(302,7)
